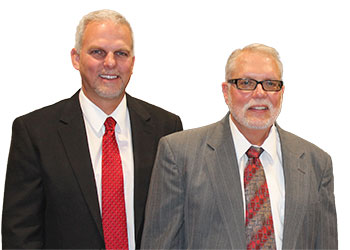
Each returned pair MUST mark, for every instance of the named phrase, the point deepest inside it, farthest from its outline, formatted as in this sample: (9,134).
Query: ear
(75,57)
(225,90)
(133,63)
(283,89)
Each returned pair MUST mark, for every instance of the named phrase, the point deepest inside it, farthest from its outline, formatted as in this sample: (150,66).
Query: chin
(258,126)
(252,123)
(108,94)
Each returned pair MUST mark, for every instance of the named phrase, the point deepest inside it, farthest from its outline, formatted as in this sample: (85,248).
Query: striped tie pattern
(113,203)
(259,224)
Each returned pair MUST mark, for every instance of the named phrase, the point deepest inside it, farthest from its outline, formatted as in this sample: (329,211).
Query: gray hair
(255,47)
(100,15)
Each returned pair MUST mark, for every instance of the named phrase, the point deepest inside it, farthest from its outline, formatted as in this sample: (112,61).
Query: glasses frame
(234,81)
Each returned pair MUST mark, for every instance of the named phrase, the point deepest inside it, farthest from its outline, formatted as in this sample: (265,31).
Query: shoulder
(296,144)
(194,138)
(49,116)
(162,120)
(142,106)
(45,111)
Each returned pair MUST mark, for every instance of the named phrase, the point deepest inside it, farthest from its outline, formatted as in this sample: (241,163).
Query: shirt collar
(270,145)
(96,117)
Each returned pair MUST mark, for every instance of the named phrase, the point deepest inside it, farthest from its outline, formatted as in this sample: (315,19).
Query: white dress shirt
(94,119)
(271,159)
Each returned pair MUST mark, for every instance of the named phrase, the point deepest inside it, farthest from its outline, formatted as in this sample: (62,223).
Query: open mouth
(108,77)
(259,108)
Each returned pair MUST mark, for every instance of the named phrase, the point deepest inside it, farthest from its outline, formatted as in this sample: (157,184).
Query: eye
(98,53)
(122,54)
(270,83)
(245,82)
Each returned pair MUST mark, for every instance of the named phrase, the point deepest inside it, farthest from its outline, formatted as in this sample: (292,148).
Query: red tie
(113,203)
(259,224)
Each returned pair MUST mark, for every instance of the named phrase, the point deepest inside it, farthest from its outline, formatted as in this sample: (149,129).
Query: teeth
(109,77)
(259,108)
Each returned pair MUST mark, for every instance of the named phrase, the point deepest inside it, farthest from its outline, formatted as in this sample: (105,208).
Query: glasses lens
(272,85)
(246,84)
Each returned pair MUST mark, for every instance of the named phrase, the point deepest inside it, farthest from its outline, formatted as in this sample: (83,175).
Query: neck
(257,137)
(107,105)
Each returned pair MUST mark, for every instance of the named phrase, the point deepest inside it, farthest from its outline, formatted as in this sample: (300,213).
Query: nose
(259,92)
(110,61)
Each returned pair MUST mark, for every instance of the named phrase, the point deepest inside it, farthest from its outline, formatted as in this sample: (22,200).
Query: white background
(181,50)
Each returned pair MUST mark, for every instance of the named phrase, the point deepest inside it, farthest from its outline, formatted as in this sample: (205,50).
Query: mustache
(253,102)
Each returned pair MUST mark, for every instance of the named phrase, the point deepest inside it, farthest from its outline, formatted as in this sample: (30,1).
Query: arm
(178,124)
(327,236)
(164,219)
(23,207)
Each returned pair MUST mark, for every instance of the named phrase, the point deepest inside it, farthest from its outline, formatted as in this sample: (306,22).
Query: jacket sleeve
(178,124)
(23,207)
(327,235)
(164,219)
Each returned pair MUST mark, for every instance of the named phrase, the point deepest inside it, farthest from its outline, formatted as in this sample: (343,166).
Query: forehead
(257,65)
(106,31)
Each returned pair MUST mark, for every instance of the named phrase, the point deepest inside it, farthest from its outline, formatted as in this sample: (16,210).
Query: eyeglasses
(251,84)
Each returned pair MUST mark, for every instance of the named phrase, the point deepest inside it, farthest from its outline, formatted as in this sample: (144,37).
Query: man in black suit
(53,183)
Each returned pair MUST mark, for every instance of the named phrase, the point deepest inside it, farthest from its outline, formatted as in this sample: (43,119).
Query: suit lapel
(143,140)
(73,134)
(224,174)
(296,184)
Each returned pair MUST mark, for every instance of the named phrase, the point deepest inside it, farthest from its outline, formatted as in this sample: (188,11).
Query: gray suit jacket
(195,198)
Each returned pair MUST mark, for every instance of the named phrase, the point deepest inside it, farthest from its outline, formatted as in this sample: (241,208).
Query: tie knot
(254,152)
(110,124)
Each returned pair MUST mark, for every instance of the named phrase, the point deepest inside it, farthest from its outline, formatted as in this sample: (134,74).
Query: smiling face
(257,109)
(105,61)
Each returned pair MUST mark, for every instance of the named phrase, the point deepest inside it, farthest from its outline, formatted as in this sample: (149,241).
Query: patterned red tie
(113,203)
(259,224)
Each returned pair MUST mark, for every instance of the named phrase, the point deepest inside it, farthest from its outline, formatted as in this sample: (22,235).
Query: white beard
(239,114)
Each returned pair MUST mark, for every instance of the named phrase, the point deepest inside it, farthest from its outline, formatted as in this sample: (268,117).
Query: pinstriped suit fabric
(195,198)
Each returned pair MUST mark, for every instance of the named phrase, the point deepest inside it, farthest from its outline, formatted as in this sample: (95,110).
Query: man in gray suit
(198,191)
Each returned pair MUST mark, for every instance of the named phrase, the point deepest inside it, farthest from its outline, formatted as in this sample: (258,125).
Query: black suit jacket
(50,198)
